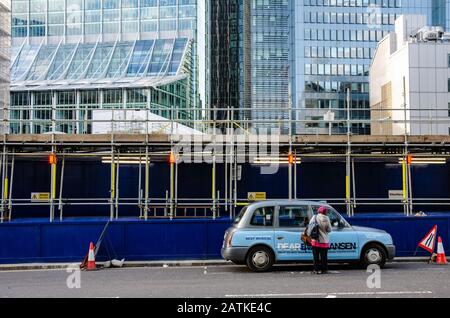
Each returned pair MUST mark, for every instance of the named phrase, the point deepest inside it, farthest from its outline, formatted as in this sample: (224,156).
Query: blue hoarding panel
(68,241)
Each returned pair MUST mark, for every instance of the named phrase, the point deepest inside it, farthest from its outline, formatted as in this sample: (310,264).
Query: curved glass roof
(75,66)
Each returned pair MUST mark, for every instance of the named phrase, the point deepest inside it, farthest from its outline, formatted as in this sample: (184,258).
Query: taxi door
(343,239)
(290,223)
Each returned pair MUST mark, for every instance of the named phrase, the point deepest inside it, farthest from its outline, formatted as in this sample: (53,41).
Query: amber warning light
(52,159)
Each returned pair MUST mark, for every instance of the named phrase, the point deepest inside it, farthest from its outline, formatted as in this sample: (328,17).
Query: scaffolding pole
(112,185)
(61,184)
(4,182)
(117,187)
(213,186)
(10,205)
(53,175)
(405,184)
(410,196)
(295,177)
(348,178)
(147,181)
(172,187)
(141,214)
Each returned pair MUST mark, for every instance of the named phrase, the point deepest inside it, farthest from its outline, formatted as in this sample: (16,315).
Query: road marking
(33,270)
(324,294)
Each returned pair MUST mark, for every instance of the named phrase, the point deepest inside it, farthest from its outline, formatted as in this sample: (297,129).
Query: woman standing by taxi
(320,242)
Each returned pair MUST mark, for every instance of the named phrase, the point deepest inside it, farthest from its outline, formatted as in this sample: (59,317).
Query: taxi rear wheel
(373,254)
(260,259)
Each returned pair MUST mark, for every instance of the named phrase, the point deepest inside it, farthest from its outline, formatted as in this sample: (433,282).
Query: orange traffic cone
(91,259)
(441,258)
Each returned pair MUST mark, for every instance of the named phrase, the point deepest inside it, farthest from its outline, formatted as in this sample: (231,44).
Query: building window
(448,84)
(448,60)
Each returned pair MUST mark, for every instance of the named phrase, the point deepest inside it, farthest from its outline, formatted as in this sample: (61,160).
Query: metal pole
(349,131)
(4,181)
(410,197)
(290,180)
(11,188)
(347,185)
(167,200)
(231,179)
(226,179)
(172,188)
(117,187)
(235,180)
(290,145)
(354,186)
(405,111)
(60,205)
(140,186)
(405,159)
(175,201)
(53,190)
(2,208)
(147,180)
(226,162)
(405,185)
(295,177)
(113,185)
(213,186)
(348,161)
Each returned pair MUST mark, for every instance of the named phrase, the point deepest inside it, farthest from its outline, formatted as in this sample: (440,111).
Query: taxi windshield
(240,215)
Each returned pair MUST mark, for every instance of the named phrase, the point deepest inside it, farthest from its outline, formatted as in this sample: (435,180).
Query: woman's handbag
(305,238)
(311,232)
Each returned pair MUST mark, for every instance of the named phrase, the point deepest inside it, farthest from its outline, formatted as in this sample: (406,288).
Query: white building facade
(410,80)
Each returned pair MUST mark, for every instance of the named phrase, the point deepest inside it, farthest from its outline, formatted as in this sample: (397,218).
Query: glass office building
(224,57)
(265,62)
(5,39)
(333,43)
(72,59)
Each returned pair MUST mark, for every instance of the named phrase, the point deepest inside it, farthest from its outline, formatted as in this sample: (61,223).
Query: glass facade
(5,53)
(32,112)
(108,18)
(112,53)
(264,62)
(125,75)
(334,43)
(224,57)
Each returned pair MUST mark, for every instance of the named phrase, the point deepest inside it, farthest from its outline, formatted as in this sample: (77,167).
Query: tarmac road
(397,280)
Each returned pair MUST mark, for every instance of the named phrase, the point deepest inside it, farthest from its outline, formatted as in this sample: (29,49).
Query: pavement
(399,279)
(218,262)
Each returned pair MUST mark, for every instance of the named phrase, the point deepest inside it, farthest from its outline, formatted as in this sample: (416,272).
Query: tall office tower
(334,41)
(264,63)
(224,57)
(73,62)
(5,39)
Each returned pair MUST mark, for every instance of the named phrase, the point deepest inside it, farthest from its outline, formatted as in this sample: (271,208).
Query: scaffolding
(231,150)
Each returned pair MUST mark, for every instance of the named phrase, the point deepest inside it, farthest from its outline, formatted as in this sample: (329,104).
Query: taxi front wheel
(260,259)
(373,254)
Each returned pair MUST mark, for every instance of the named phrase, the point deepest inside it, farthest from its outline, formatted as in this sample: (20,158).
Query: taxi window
(262,217)
(240,215)
(296,216)
(335,218)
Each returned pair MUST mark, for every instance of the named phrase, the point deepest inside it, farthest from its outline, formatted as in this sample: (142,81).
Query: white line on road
(334,294)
